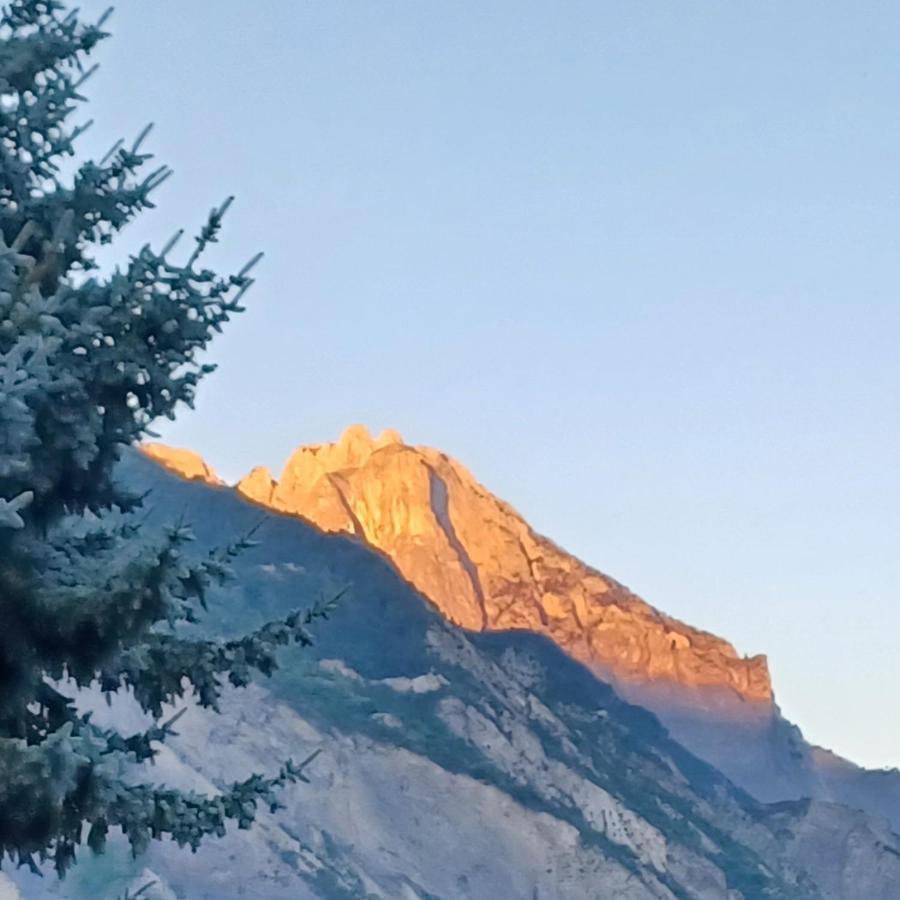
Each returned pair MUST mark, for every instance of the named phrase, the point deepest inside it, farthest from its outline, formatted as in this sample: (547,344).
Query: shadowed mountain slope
(454,764)
(486,569)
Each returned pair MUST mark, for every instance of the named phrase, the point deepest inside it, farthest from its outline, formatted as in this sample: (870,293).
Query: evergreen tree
(87,363)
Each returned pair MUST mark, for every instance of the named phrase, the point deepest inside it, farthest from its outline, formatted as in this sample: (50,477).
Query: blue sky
(637,264)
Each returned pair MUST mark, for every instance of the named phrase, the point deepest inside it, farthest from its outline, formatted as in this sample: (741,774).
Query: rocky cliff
(485,569)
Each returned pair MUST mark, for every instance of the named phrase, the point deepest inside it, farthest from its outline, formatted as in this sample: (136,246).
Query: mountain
(485,569)
(456,764)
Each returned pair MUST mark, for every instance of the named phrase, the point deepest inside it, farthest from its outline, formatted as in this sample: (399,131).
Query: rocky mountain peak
(484,568)
(481,564)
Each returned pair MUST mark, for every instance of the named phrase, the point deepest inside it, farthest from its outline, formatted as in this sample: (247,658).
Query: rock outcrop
(185,463)
(480,563)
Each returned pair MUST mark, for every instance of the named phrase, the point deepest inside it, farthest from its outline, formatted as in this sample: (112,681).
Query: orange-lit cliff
(481,564)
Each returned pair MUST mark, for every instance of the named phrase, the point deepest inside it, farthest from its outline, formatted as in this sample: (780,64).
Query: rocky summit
(485,569)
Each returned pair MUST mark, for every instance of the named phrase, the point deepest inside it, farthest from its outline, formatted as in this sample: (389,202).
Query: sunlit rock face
(479,562)
(180,461)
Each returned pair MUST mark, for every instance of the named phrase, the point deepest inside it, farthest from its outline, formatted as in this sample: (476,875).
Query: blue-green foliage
(87,363)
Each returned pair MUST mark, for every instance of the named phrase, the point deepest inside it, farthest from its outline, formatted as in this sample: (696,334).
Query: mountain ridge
(474,557)
(331,486)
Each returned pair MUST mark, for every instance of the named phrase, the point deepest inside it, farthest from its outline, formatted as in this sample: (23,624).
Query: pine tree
(87,363)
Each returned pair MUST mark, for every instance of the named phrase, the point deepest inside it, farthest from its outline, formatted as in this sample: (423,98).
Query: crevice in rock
(531,562)
(358,530)
(440,506)
(538,593)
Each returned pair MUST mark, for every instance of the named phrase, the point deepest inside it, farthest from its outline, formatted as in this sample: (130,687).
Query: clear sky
(637,264)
